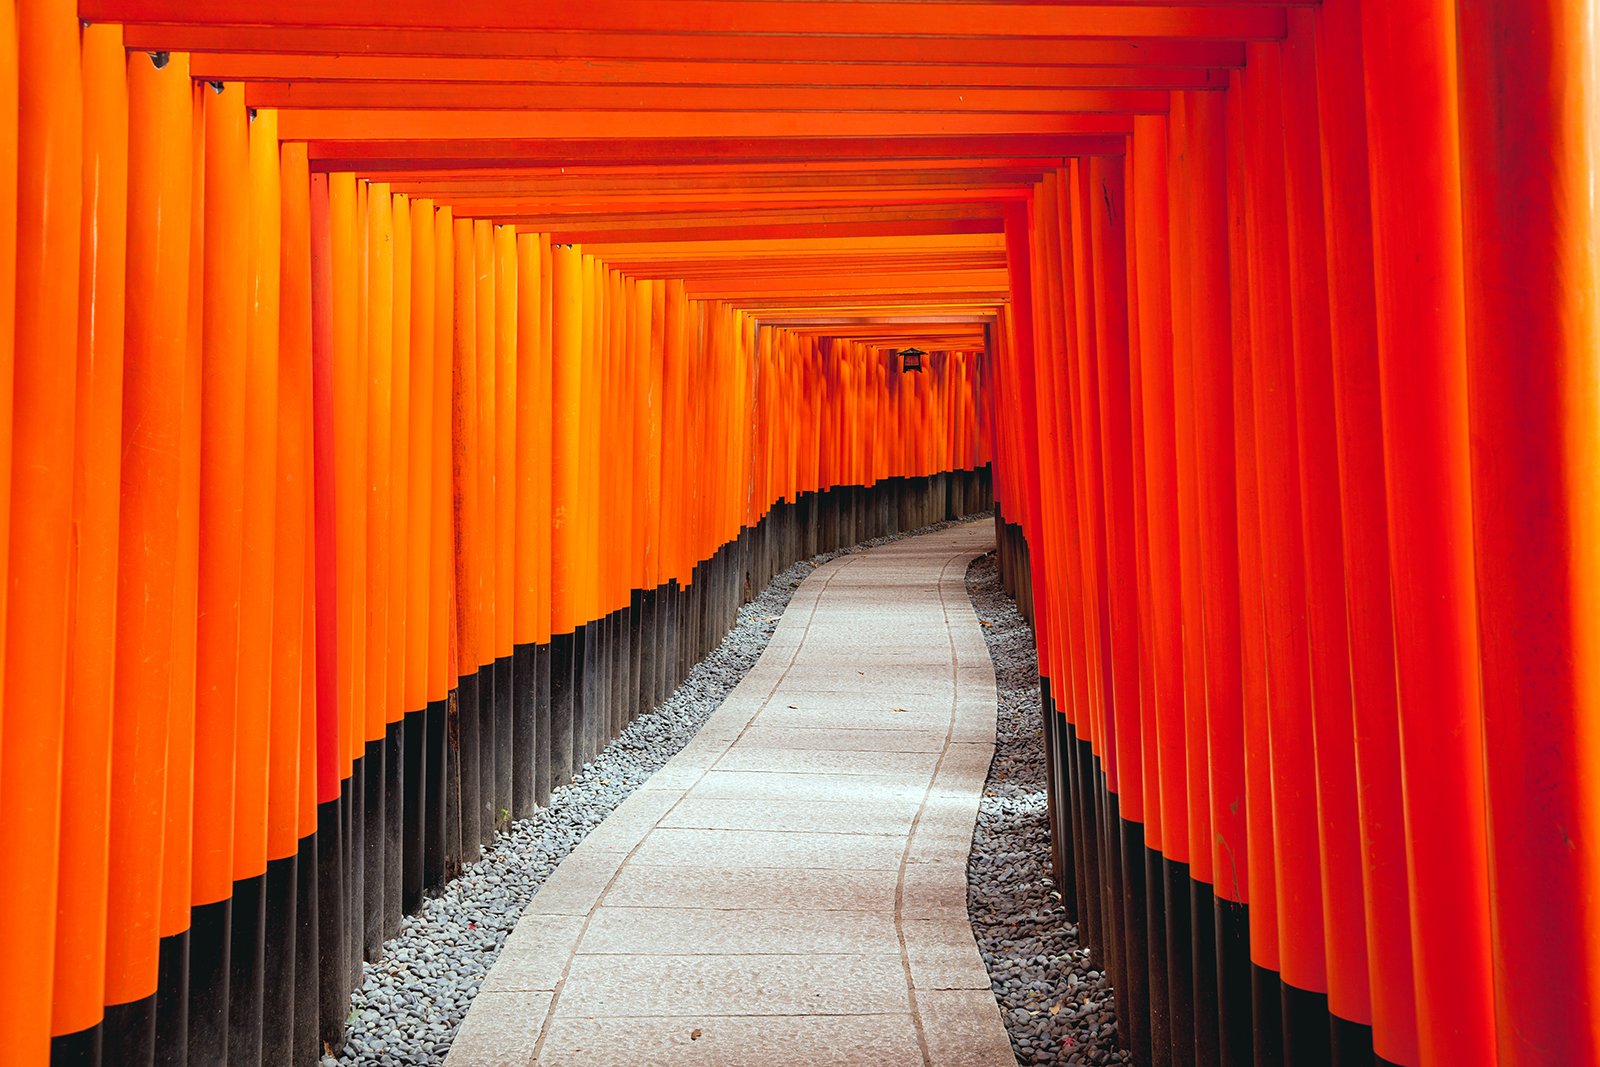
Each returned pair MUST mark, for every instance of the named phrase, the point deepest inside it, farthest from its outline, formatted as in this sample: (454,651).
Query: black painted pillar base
(1087,802)
(586,730)
(1072,814)
(436,770)
(394,830)
(504,740)
(541,728)
(1116,947)
(1180,962)
(281,926)
(644,639)
(1135,1026)
(1233,983)
(563,706)
(172,1002)
(332,920)
(247,970)
(374,841)
(414,802)
(1266,1005)
(621,673)
(305,1046)
(466,758)
(1050,723)
(81,1048)
(209,993)
(355,865)
(1155,886)
(650,649)
(130,1028)
(1203,924)
(1352,1043)
(524,725)
(1307,1032)
(489,704)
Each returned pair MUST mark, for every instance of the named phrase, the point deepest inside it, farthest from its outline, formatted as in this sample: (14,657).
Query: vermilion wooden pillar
(565,496)
(1530,103)
(339,550)
(1109,239)
(1158,326)
(1092,734)
(248,934)
(9,73)
(1327,628)
(1042,301)
(1249,1027)
(1211,387)
(1071,593)
(1195,898)
(483,596)
(1353,333)
(222,462)
(531,570)
(1138,850)
(1294,798)
(399,785)
(465,447)
(441,538)
(1023,356)
(1054,661)
(289,1004)
(1153,280)
(155,357)
(421,499)
(87,738)
(505,430)
(49,198)
(327,558)
(1415,166)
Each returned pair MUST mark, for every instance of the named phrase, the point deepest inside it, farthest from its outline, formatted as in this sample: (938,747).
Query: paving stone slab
(720,931)
(736,888)
(860,738)
(720,1041)
(758,787)
(825,761)
(885,816)
(672,847)
(735,984)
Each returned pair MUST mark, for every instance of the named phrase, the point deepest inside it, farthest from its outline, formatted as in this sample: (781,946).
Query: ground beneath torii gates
(794,882)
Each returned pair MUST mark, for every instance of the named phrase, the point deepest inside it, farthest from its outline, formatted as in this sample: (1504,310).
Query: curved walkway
(792,886)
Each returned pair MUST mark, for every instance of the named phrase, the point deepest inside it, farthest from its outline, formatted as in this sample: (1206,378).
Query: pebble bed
(415,995)
(1057,1005)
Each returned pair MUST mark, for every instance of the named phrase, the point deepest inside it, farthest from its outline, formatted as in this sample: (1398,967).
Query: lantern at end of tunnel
(911,359)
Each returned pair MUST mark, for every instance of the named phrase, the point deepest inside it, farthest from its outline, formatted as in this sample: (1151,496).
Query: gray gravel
(1056,1003)
(416,994)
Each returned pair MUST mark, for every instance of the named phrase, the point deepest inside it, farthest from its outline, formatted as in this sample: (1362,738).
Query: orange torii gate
(445,374)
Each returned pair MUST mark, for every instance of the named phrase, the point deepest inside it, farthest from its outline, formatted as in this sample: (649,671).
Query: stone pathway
(791,887)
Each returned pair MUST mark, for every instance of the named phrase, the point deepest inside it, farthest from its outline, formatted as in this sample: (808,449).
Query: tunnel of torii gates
(401,396)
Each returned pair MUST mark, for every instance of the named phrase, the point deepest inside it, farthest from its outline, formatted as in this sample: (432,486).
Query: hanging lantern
(911,360)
